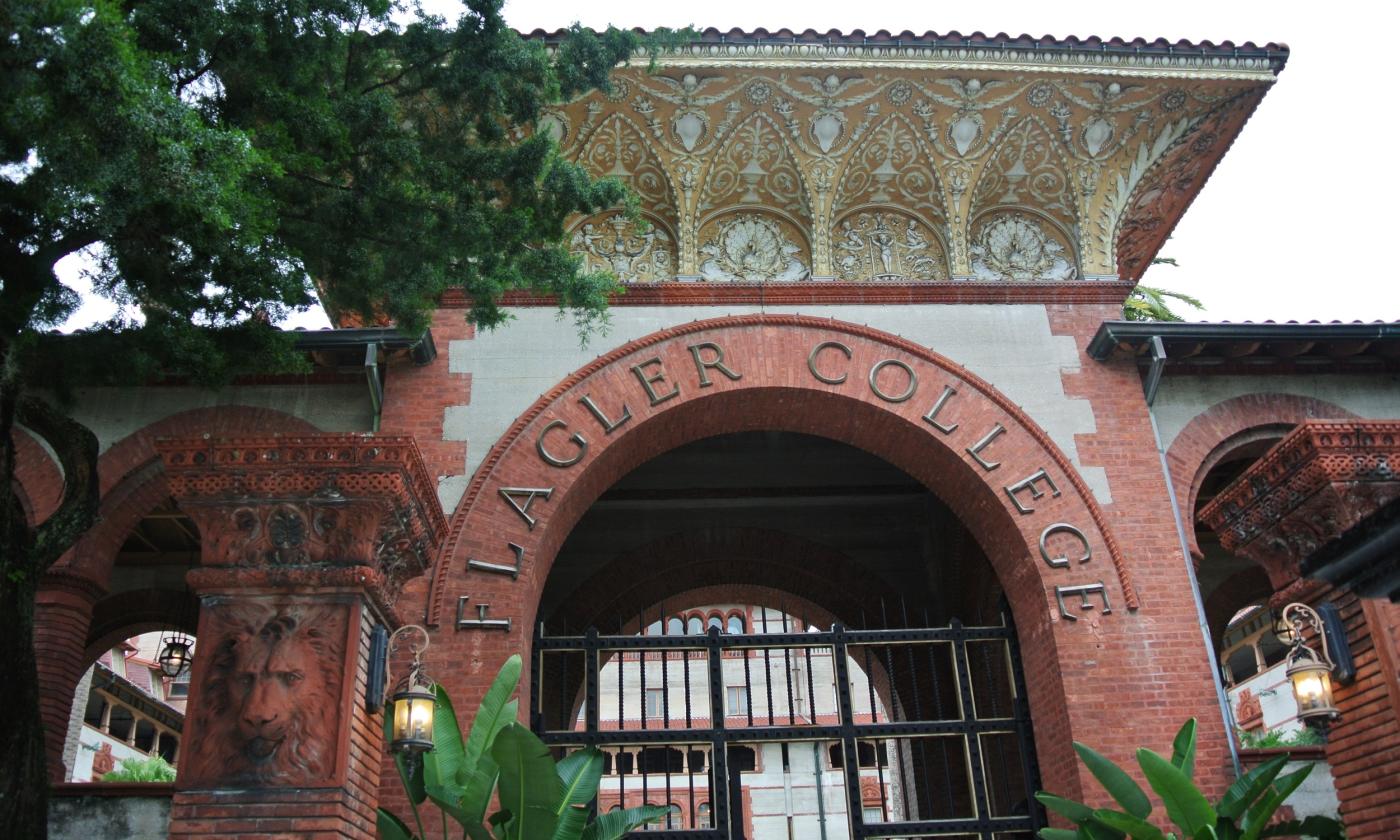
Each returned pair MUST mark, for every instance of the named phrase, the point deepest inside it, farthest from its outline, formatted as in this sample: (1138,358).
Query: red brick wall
(415,398)
(1156,672)
(1131,677)
(1364,745)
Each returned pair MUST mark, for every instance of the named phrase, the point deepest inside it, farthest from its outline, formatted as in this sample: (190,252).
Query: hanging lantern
(175,654)
(414,702)
(1309,672)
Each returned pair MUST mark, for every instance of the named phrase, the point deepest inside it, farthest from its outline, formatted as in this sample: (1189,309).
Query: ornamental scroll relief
(636,252)
(952,147)
(752,248)
(887,246)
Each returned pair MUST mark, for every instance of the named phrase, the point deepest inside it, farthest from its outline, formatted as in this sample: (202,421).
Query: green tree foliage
(1149,303)
(1245,812)
(153,769)
(218,162)
(538,797)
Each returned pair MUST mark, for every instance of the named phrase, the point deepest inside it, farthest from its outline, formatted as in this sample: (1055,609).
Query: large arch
(999,472)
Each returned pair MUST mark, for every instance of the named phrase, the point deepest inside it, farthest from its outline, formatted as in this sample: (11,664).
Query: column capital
(309,501)
(1315,485)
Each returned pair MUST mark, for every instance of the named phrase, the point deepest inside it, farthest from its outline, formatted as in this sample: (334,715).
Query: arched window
(714,621)
(736,625)
(675,627)
(702,816)
(653,629)
(673,817)
(694,626)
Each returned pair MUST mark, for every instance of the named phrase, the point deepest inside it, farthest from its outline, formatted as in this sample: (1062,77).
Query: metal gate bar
(726,816)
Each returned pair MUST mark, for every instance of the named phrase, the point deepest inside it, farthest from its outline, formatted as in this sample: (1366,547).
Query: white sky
(1295,222)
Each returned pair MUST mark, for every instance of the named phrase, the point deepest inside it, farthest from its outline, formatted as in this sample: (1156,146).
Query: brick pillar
(306,543)
(63,612)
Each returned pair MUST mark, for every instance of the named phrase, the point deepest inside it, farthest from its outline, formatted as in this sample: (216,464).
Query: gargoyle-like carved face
(269,696)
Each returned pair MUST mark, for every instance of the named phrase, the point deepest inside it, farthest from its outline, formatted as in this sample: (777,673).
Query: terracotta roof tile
(955,38)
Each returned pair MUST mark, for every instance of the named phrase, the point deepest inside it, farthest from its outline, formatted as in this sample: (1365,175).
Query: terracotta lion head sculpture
(267,711)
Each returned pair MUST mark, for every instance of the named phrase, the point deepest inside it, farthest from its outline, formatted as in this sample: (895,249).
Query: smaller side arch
(1207,438)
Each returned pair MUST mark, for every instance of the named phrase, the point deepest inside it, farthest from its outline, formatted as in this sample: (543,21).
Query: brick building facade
(868,356)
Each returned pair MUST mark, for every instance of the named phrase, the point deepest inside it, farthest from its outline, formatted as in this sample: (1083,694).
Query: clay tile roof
(1273,50)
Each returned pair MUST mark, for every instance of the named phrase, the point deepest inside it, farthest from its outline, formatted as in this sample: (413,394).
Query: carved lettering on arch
(529,494)
(968,418)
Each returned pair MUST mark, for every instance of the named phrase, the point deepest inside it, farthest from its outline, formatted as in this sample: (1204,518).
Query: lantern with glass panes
(1309,672)
(414,699)
(175,653)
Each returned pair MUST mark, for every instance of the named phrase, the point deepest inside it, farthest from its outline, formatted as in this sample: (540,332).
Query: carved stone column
(306,543)
(62,616)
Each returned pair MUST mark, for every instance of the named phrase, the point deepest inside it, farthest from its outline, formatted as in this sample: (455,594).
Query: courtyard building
(865,508)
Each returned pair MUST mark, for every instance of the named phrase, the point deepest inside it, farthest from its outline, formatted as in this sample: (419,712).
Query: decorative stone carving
(1249,713)
(1111,158)
(326,500)
(617,244)
(618,149)
(892,165)
(1316,484)
(269,694)
(886,245)
(1026,169)
(754,166)
(1013,246)
(752,248)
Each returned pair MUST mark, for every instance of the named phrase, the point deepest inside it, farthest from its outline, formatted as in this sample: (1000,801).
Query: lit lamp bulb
(413,719)
(1312,687)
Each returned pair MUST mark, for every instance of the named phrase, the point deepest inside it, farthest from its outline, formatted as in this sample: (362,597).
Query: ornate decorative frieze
(327,500)
(1110,160)
(1018,246)
(752,248)
(1317,483)
(635,251)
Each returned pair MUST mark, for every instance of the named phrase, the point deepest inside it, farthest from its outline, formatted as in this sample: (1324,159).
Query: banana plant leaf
(1119,784)
(1186,805)
(530,788)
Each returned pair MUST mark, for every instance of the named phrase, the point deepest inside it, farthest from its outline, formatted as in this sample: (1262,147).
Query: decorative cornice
(834,294)
(953,50)
(1321,479)
(317,500)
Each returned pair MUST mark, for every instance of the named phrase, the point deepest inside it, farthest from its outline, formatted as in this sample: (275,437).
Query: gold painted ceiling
(829,160)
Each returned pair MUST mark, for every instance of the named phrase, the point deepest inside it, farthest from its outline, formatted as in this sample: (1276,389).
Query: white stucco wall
(1180,399)
(1008,345)
(114,413)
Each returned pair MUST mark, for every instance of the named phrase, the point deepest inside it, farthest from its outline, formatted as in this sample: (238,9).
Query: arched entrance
(993,468)
(786,637)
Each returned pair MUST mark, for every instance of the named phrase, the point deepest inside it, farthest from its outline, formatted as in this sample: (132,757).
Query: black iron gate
(913,732)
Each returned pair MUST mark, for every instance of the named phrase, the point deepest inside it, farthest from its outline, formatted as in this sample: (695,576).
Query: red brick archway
(970,445)
(132,483)
(1215,432)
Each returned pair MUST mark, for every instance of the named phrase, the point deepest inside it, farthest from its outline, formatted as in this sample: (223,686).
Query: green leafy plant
(1245,812)
(1149,303)
(153,769)
(1306,737)
(540,799)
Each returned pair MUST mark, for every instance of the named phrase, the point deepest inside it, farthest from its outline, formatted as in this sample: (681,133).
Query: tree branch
(76,448)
